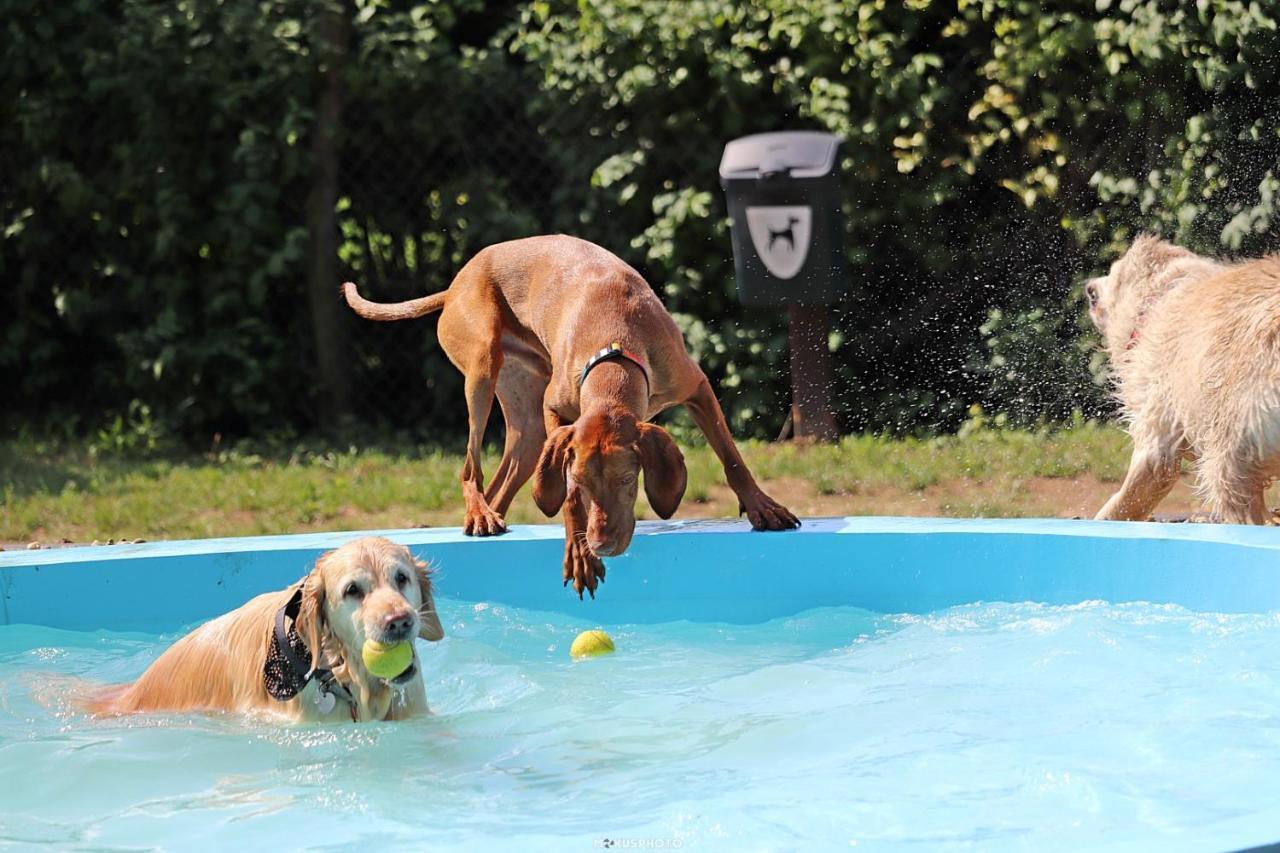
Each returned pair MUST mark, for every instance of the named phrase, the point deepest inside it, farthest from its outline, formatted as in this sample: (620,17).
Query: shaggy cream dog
(1195,351)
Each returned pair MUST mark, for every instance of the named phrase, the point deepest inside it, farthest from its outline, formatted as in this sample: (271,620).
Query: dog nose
(1091,290)
(397,625)
(601,547)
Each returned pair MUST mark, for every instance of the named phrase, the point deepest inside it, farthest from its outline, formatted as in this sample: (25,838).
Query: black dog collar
(287,668)
(615,350)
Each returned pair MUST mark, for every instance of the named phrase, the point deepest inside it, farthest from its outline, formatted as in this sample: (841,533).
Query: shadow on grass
(25,472)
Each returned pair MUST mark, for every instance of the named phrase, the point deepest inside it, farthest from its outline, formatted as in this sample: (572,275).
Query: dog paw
(584,568)
(765,513)
(484,522)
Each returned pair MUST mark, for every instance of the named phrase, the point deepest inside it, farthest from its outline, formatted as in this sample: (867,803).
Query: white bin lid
(800,153)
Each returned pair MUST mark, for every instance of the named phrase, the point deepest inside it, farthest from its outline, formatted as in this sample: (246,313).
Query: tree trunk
(333,32)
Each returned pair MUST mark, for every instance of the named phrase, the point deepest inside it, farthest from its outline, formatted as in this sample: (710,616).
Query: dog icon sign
(781,237)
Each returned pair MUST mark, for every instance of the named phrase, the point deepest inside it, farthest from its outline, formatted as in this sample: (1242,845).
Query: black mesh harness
(287,670)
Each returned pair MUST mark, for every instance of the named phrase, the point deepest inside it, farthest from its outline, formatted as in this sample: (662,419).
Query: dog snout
(397,626)
(1091,291)
(609,541)
(603,547)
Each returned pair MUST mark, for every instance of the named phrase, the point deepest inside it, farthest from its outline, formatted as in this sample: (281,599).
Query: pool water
(987,726)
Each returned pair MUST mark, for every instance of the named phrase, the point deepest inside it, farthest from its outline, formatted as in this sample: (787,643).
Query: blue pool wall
(697,570)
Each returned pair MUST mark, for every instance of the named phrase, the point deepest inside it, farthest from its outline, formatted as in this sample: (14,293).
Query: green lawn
(54,493)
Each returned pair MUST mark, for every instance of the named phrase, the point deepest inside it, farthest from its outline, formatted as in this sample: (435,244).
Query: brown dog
(367,589)
(581,354)
(1195,350)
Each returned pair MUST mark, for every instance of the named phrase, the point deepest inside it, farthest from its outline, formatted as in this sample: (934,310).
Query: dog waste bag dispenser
(784,203)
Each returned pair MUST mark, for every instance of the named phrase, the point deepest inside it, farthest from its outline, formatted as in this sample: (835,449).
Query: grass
(54,493)
(915,464)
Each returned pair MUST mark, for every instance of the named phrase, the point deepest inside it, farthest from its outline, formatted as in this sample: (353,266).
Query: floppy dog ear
(664,473)
(429,627)
(310,621)
(549,486)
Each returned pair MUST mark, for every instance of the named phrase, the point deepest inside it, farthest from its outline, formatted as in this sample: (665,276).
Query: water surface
(987,726)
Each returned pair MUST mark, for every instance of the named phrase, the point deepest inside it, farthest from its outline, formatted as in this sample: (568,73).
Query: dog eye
(401,579)
(353,590)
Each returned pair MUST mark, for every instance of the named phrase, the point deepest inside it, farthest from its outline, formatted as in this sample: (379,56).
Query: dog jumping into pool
(581,354)
(297,652)
(1194,345)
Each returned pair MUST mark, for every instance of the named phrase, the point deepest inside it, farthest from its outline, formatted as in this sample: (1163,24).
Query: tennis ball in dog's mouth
(386,660)
(590,644)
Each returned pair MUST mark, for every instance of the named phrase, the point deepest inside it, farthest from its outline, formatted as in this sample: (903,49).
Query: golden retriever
(370,588)
(1194,345)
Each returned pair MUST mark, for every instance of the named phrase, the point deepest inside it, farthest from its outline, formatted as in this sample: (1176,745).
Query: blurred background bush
(183,183)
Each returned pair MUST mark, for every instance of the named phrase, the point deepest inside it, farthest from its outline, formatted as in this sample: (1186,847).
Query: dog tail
(388,311)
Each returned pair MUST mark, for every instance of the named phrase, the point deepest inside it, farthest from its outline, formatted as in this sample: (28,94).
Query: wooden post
(333,30)
(812,415)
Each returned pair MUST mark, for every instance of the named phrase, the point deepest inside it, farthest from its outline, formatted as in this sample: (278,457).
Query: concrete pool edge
(729,573)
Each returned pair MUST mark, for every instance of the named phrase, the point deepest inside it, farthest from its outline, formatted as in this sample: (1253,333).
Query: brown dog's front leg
(584,568)
(763,511)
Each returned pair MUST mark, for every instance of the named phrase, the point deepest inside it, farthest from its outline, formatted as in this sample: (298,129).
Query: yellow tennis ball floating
(590,644)
(386,660)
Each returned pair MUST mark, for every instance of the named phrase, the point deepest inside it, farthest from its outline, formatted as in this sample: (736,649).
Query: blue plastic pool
(867,682)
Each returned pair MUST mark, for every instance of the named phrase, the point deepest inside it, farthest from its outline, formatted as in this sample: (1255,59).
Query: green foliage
(155,162)
(150,240)
(993,150)
(134,432)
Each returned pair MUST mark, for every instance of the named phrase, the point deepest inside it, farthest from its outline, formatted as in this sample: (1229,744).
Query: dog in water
(297,652)
(1194,345)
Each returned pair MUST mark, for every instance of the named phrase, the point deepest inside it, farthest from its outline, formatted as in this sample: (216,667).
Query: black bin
(784,205)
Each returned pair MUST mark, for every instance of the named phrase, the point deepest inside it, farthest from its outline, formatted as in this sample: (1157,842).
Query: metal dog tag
(325,701)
